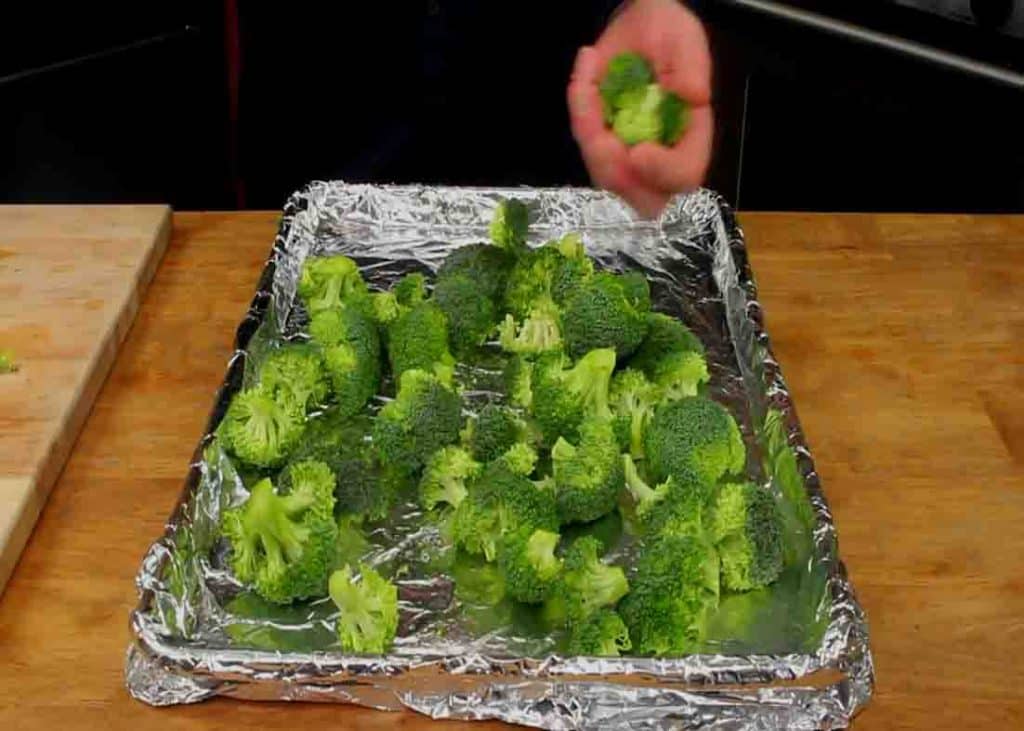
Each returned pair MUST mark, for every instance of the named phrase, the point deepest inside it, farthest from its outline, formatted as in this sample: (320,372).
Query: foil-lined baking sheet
(794,655)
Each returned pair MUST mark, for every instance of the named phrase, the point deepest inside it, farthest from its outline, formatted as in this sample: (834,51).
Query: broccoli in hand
(367,609)
(636,107)
(326,282)
(747,531)
(602,634)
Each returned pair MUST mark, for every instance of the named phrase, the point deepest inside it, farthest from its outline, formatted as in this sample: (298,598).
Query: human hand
(646,175)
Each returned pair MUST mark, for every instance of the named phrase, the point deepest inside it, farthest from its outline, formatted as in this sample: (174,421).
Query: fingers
(585,115)
(607,160)
(679,168)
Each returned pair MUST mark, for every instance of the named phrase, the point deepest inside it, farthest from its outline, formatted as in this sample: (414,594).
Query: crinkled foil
(808,666)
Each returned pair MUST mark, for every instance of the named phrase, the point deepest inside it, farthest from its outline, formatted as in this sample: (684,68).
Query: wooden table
(902,338)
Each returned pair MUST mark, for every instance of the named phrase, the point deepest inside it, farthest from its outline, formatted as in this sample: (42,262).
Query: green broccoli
(7,362)
(633,399)
(520,458)
(586,584)
(671,357)
(445,477)
(476,581)
(295,374)
(351,353)
(746,529)
(676,506)
(367,609)
(411,289)
(509,226)
(693,434)
(626,73)
(538,333)
(602,634)
(418,339)
(326,281)
(493,431)
(672,595)
(637,290)
(588,477)
(543,277)
(425,416)
(602,313)
(285,544)
(636,107)
(352,544)
(385,307)
(518,377)
(472,315)
(561,398)
(259,429)
(528,562)
(486,266)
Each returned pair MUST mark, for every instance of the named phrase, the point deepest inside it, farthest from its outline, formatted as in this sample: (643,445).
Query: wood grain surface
(900,336)
(71,279)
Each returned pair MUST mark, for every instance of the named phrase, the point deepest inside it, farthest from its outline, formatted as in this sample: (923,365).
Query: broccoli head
(746,529)
(671,357)
(509,226)
(588,476)
(418,339)
(520,458)
(295,374)
(672,595)
(633,399)
(259,429)
(285,544)
(425,416)
(385,307)
(518,377)
(586,584)
(367,609)
(327,281)
(351,352)
(486,266)
(637,290)
(693,434)
(528,562)
(476,581)
(561,398)
(472,315)
(411,289)
(492,432)
(627,74)
(445,477)
(602,634)
(538,333)
(543,276)
(602,313)
(677,506)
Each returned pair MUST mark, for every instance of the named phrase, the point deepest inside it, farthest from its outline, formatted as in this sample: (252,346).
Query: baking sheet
(806,664)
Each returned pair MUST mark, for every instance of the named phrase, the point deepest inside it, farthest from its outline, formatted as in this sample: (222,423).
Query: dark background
(235,104)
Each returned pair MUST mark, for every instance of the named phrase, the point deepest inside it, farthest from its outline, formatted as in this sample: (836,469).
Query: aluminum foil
(802,662)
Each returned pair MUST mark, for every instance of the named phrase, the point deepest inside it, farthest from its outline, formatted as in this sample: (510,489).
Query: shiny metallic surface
(197,634)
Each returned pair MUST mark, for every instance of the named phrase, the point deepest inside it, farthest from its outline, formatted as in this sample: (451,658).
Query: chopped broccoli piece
(285,544)
(7,362)
(477,581)
(445,477)
(636,107)
(586,584)
(367,609)
(509,225)
(675,118)
(602,634)
(518,376)
(352,544)
(588,476)
(418,339)
(640,117)
(261,430)
(521,458)
(295,374)
(385,307)
(601,313)
(486,266)
(493,431)
(672,594)
(633,399)
(542,276)
(351,347)
(472,315)
(626,73)
(538,333)
(693,434)
(425,416)
(676,506)
(672,357)
(528,562)
(746,528)
(411,289)
(326,281)
(561,398)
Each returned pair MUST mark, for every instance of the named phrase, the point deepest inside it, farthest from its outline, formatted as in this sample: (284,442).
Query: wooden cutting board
(71,278)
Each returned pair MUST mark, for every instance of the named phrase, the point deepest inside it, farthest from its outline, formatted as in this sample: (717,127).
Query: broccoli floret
(486,266)
(367,609)
(746,529)
(385,307)
(626,74)
(538,333)
(672,594)
(285,544)
(637,290)
(7,362)
(509,226)
(561,398)
(351,353)
(633,399)
(445,477)
(521,458)
(472,315)
(528,562)
(493,431)
(543,276)
(675,118)
(477,582)
(352,544)
(326,282)
(475,526)
(636,107)
(693,434)
(588,477)
(518,377)
(411,289)
(418,339)
(601,314)
(425,416)
(261,430)
(602,634)
(585,585)
(676,506)
(295,374)
(671,357)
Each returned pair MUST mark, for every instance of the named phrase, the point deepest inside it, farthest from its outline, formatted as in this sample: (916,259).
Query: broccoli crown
(351,353)
(261,430)
(542,276)
(518,377)
(675,118)
(633,399)
(411,289)
(538,333)
(445,476)
(418,339)
(285,544)
(671,596)
(295,374)
(528,562)
(746,527)
(601,314)
(492,432)
(476,581)
(385,307)
(672,357)
(602,634)
(486,266)
(520,458)
(367,609)
(509,225)
(626,73)
(561,398)
(475,526)
(693,434)
(639,119)
(589,476)
(425,416)
(586,583)
(327,281)
(471,314)
(676,506)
